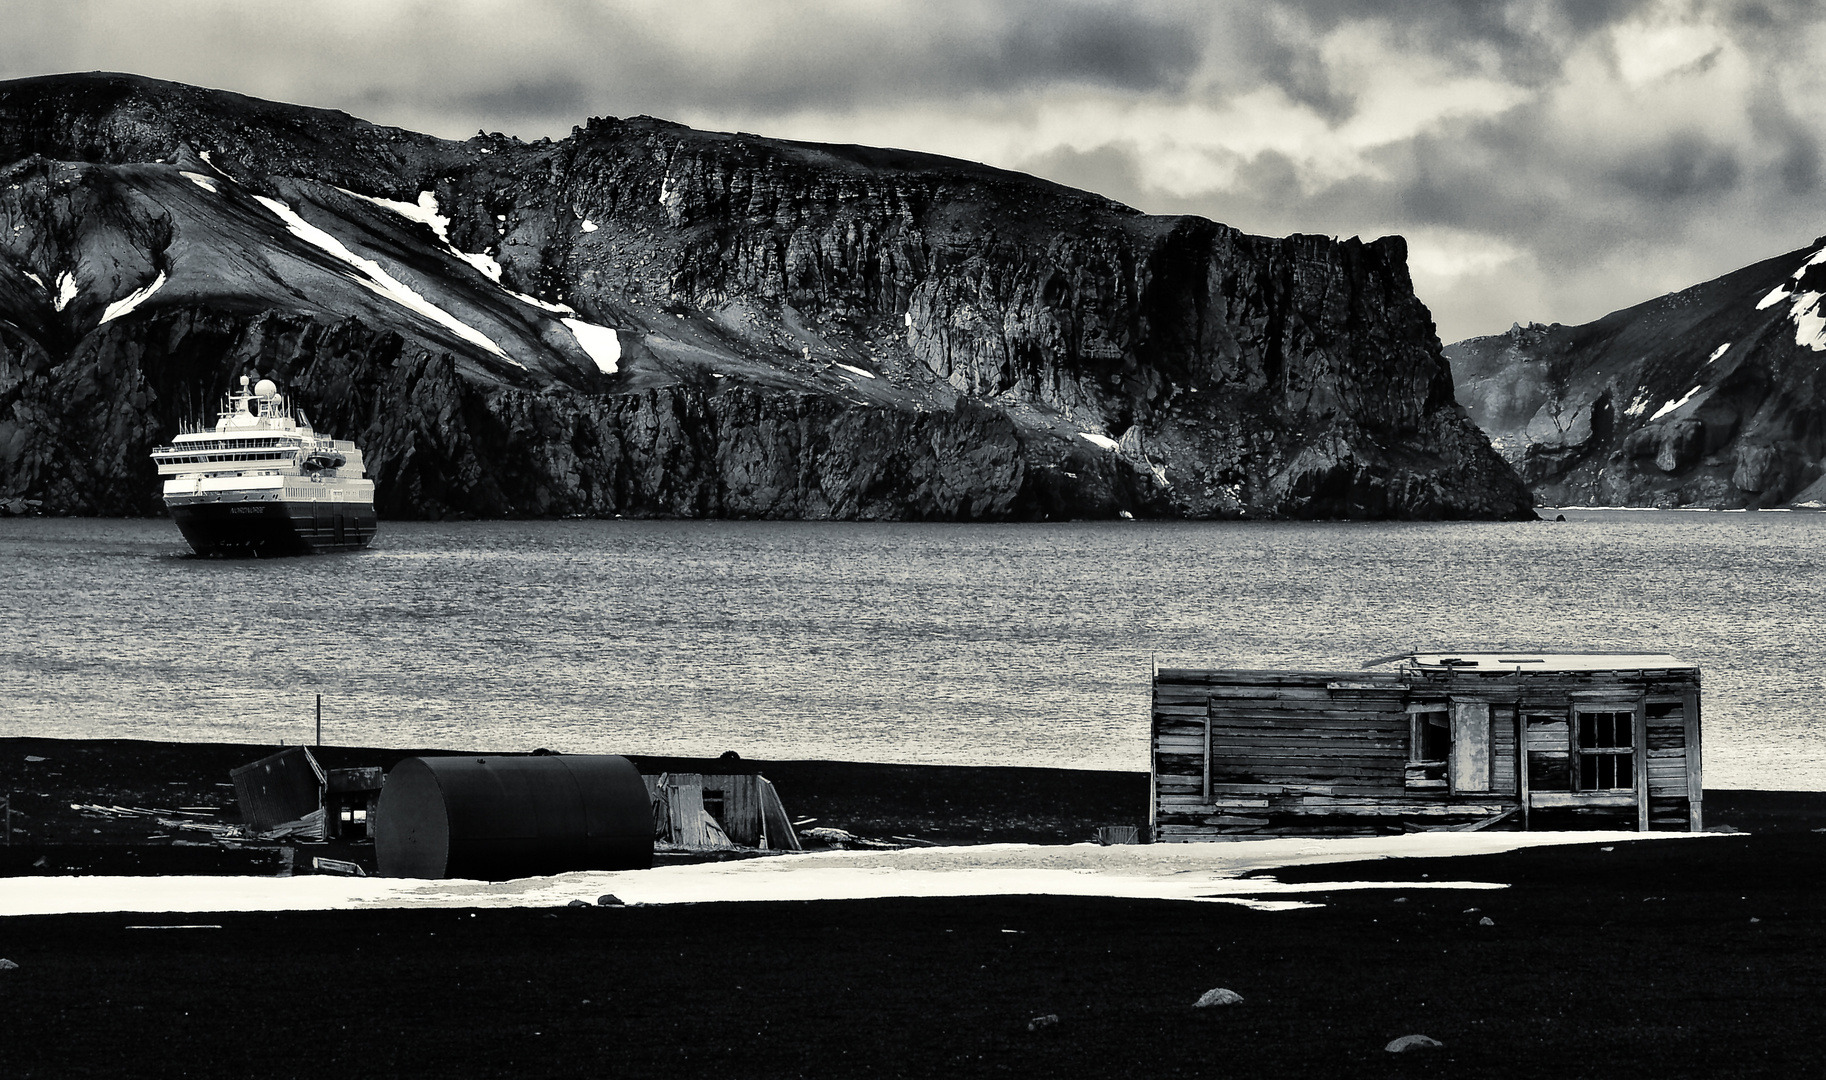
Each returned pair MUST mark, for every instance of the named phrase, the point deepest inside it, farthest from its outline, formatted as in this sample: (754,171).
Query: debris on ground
(843,838)
(1413,1042)
(1218,996)
(1039,1022)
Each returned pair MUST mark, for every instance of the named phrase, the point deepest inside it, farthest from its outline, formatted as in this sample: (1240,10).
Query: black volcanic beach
(1677,957)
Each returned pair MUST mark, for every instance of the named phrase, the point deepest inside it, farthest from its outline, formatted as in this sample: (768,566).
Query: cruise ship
(261,482)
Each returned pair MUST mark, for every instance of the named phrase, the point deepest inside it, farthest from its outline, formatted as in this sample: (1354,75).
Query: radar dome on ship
(265,388)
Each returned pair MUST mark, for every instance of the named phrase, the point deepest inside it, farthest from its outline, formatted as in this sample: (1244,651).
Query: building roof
(1542,661)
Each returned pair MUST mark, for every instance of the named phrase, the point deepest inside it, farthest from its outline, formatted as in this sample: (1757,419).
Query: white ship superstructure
(261,481)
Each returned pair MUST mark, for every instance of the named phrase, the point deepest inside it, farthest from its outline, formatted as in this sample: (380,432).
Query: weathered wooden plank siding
(1331,753)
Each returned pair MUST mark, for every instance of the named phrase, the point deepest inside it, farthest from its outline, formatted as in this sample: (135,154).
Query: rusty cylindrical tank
(495,818)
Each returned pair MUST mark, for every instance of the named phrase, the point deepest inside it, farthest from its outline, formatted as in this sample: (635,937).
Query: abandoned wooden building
(1523,740)
(719,810)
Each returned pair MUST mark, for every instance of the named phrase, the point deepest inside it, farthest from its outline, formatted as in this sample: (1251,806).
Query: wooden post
(319,721)
(1207,755)
(1689,710)
(1521,763)
(1640,749)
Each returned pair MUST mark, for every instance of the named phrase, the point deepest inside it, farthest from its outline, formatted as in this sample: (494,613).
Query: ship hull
(274,527)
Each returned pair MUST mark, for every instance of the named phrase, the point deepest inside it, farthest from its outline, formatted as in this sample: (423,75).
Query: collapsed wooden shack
(1522,740)
(705,810)
(290,794)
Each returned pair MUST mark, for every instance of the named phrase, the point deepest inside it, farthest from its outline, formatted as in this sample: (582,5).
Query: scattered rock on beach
(1413,1042)
(1039,1022)
(578,903)
(609,900)
(1486,921)
(1218,996)
(8,965)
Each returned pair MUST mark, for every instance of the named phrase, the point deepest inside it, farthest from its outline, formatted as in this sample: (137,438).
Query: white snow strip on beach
(857,370)
(601,342)
(66,290)
(1718,352)
(132,300)
(376,278)
(207,183)
(1100,440)
(1197,872)
(1672,405)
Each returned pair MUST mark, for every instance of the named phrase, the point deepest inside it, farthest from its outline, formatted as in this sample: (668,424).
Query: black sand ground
(1697,957)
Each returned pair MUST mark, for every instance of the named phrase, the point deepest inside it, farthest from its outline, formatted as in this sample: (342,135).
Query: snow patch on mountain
(1718,352)
(1804,306)
(375,277)
(1672,405)
(601,343)
(207,183)
(132,300)
(66,291)
(426,210)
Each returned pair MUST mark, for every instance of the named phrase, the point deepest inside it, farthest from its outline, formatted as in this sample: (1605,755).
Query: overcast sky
(1548,160)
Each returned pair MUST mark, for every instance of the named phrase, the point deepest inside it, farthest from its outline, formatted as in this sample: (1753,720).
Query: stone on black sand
(609,900)
(1218,996)
(1412,1042)
(1039,1022)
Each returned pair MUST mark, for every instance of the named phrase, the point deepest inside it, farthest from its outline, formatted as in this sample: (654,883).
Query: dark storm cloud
(1120,48)
(559,95)
(1681,166)
(838,60)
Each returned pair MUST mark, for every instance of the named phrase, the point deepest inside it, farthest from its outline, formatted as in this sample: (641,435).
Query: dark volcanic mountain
(645,319)
(1709,397)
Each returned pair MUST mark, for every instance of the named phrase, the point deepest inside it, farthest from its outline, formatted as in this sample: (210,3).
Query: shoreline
(61,789)
(1642,959)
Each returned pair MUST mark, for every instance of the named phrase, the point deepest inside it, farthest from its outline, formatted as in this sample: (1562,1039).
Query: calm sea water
(968,644)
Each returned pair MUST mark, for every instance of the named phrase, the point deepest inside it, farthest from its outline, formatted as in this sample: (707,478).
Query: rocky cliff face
(648,319)
(1709,397)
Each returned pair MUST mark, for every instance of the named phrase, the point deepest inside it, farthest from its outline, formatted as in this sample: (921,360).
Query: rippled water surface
(969,644)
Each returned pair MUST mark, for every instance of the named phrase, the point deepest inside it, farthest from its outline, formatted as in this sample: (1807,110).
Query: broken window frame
(1429,722)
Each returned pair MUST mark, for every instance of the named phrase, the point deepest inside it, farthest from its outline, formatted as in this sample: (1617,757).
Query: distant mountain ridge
(645,319)
(1708,397)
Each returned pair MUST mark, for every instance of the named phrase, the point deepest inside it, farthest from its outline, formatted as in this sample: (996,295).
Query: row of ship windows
(238,444)
(204,458)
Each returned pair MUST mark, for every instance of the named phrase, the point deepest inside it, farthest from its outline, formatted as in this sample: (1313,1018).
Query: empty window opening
(1549,763)
(1429,745)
